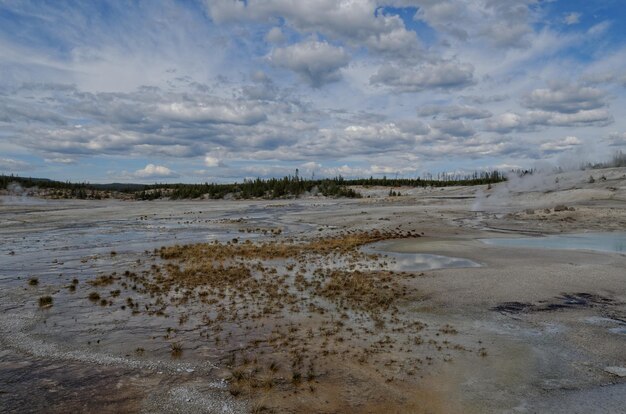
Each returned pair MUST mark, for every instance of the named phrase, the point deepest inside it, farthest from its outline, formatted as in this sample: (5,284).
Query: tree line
(291,186)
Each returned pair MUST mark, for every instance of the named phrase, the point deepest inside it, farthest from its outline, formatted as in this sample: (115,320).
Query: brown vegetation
(288,318)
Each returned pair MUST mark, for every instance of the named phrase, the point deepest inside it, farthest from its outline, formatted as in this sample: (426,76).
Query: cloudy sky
(219,90)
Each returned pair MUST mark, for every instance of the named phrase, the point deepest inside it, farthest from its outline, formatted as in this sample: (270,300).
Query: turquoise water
(603,242)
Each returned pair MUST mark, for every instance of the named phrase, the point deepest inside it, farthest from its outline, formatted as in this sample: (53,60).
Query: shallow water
(603,242)
(66,246)
(34,244)
(410,262)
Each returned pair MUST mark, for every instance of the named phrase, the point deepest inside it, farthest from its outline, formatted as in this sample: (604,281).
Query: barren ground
(284,306)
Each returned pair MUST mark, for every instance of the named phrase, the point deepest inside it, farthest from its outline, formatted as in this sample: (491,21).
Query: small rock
(619,371)
(560,207)
(530,211)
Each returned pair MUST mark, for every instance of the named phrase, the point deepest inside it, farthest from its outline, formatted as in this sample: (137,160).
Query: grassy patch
(176,349)
(45,301)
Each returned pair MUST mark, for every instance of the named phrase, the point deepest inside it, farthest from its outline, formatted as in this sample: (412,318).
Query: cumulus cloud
(77,140)
(379,135)
(362,139)
(456,128)
(211,161)
(396,43)
(506,122)
(317,63)
(178,87)
(484,99)
(358,23)
(275,35)
(61,160)
(154,171)
(152,122)
(219,111)
(560,105)
(504,23)
(597,117)
(530,121)
(561,144)
(388,169)
(311,165)
(565,98)
(441,75)
(20,111)
(453,112)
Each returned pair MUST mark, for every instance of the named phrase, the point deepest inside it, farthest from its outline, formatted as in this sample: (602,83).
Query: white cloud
(356,22)
(61,160)
(388,169)
(592,117)
(561,145)
(505,122)
(509,121)
(275,35)
(456,127)
(211,161)
(503,23)
(398,42)
(221,111)
(454,112)
(311,166)
(505,167)
(317,63)
(599,29)
(565,98)
(173,87)
(439,75)
(572,18)
(155,171)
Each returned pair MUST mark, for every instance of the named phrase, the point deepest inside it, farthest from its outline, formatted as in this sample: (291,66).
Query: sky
(222,90)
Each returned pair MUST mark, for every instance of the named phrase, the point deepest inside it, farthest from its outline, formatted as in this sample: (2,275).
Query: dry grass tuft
(45,301)
(176,349)
(285,317)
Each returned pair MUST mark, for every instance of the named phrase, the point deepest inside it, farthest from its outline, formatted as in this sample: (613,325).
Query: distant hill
(29,182)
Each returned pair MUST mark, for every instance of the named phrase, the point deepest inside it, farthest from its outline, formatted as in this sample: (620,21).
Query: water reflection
(410,262)
(604,242)
(420,261)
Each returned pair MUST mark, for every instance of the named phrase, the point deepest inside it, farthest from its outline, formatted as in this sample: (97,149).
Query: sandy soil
(530,330)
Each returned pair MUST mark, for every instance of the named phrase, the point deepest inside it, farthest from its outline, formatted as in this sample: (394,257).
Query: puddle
(408,262)
(45,247)
(278,315)
(603,242)
(620,330)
